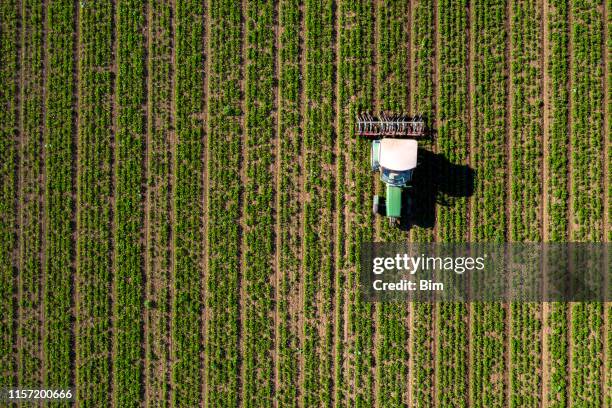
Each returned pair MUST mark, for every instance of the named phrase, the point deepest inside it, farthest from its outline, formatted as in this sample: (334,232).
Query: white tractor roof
(398,154)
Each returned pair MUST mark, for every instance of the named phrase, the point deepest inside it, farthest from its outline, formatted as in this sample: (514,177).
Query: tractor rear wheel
(376,205)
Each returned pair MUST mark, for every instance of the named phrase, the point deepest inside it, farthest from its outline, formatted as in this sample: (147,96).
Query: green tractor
(394,156)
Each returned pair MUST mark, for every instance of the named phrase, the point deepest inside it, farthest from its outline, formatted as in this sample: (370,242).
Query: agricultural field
(184,195)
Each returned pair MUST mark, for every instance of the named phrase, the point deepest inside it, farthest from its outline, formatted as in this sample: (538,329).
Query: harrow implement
(385,125)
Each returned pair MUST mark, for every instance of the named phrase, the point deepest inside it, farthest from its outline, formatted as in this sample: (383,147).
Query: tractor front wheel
(378,204)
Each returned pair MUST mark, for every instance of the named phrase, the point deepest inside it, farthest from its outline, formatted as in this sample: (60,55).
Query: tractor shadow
(436,181)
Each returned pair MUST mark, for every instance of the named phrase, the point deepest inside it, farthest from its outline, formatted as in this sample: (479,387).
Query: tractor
(394,156)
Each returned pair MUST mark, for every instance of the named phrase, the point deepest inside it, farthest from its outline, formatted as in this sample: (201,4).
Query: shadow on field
(436,181)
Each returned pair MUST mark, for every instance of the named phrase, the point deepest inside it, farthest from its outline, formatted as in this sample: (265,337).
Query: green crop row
(392,89)
(489,158)
(129,158)
(525,354)
(526,122)
(488,132)
(9,45)
(159,182)
(452,142)
(30,196)
(224,203)
(586,351)
(557,67)
(58,145)
(354,195)
(557,349)
(258,212)
(319,182)
(526,151)
(93,329)
(188,168)
(422,103)
(289,203)
(586,138)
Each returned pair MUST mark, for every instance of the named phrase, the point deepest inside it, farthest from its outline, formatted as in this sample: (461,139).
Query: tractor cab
(396,160)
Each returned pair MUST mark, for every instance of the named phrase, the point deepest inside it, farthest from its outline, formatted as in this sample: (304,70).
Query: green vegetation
(487,359)
(586,140)
(289,205)
(258,210)
(129,158)
(525,211)
(452,142)
(318,202)
(392,91)
(93,335)
(354,195)
(9,35)
(159,217)
(58,143)
(223,205)
(188,167)
(31,195)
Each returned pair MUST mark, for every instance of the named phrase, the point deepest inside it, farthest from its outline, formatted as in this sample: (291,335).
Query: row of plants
(289,204)
(453,144)
(31,195)
(319,182)
(422,95)
(9,70)
(59,149)
(93,277)
(525,354)
(260,200)
(392,95)
(557,192)
(586,141)
(558,138)
(586,138)
(160,127)
(187,306)
(488,332)
(526,122)
(224,232)
(586,348)
(525,161)
(354,194)
(129,198)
